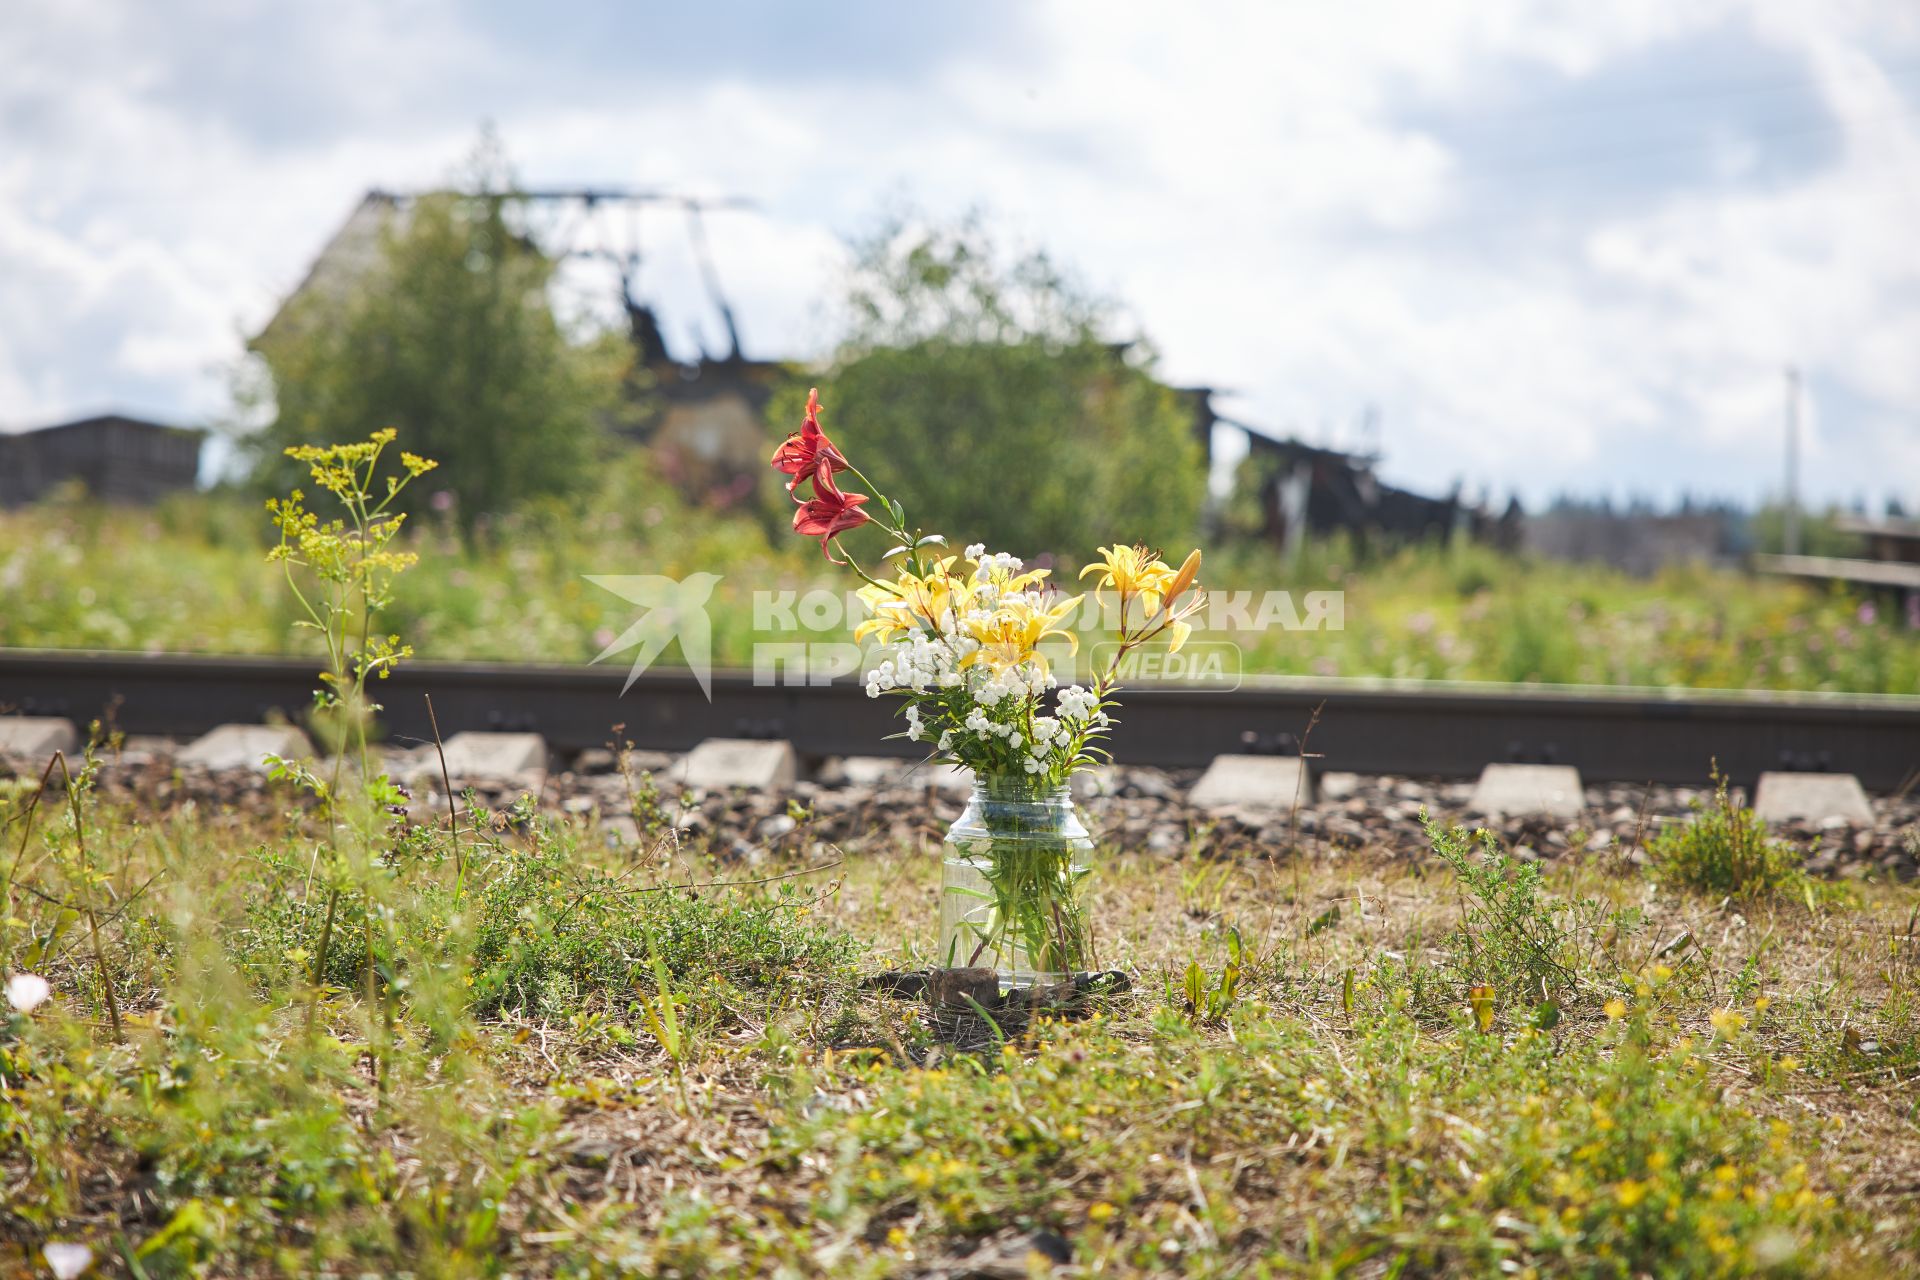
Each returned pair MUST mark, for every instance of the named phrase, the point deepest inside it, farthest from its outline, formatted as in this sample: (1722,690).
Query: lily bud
(1184,579)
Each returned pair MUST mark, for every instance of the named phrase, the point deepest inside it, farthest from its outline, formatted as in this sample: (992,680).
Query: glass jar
(1013,873)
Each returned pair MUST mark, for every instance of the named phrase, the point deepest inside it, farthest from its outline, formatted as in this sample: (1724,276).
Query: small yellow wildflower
(1100,1211)
(1616,1009)
(1629,1192)
(1480,998)
(1760,1004)
(1727,1022)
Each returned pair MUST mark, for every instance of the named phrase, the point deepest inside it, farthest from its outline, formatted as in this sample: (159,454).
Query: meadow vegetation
(188,576)
(562,1057)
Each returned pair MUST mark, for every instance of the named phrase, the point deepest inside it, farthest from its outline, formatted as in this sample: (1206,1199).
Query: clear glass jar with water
(1012,890)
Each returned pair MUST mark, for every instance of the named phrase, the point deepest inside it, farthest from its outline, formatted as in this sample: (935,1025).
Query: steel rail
(1447,730)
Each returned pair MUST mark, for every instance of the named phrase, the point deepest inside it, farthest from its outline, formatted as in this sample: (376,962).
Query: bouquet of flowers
(960,640)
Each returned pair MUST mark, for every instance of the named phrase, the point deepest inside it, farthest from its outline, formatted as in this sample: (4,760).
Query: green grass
(190,576)
(566,1060)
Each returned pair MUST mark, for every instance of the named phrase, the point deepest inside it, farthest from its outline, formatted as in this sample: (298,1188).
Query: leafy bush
(542,930)
(449,339)
(994,397)
(1725,850)
(1513,938)
(550,934)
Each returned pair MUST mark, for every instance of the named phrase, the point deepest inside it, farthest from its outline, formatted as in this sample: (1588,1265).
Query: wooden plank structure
(1892,564)
(1895,538)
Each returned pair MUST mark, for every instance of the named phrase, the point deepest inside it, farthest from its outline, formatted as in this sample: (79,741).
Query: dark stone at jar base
(911,983)
(967,1010)
(962,989)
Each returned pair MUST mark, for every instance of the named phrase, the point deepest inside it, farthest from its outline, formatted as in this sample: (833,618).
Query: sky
(1548,248)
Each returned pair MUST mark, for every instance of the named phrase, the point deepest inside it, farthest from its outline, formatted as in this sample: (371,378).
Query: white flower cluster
(1048,734)
(921,663)
(985,729)
(1023,681)
(999,564)
(1077,703)
(1078,707)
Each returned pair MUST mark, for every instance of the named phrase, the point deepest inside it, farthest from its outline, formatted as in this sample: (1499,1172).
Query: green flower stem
(1035,911)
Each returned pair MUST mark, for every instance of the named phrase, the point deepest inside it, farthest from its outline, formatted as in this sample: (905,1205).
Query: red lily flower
(808,452)
(829,511)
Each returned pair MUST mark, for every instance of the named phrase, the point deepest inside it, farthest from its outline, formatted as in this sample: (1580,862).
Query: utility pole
(1790,530)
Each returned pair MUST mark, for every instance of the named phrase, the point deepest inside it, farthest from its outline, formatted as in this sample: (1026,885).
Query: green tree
(451,340)
(988,393)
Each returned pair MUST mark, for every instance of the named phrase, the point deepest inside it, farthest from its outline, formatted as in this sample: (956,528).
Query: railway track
(1447,730)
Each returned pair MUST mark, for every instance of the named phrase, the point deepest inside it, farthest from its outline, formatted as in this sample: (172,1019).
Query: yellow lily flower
(908,601)
(1004,582)
(1133,571)
(891,614)
(1012,634)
